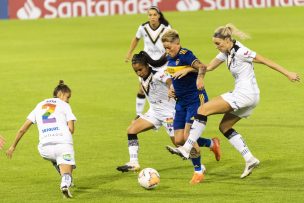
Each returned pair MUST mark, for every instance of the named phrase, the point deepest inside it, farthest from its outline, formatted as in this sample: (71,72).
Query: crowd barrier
(33,9)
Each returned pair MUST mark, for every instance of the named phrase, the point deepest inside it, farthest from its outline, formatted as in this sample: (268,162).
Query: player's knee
(131,130)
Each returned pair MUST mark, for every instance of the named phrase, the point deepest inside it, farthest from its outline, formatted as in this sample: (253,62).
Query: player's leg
(139,125)
(140,101)
(66,161)
(214,106)
(236,140)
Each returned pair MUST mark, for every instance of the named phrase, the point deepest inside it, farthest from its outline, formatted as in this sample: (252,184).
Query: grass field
(88,53)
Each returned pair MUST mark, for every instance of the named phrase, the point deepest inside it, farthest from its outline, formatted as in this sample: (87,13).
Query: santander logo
(29,11)
(188,5)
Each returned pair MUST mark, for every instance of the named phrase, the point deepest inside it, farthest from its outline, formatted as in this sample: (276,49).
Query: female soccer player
(55,122)
(151,32)
(155,85)
(187,73)
(238,103)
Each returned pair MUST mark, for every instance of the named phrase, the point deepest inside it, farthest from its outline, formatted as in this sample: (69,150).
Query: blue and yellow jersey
(185,88)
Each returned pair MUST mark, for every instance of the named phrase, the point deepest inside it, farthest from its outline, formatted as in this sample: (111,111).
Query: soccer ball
(148,178)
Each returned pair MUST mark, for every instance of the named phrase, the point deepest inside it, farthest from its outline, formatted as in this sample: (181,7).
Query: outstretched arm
(214,64)
(27,124)
(133,45)
(2,142)
(294,77)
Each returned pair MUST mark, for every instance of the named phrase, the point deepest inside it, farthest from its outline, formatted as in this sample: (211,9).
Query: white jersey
(51,116)
(240,64)
(156,91)
(152,39)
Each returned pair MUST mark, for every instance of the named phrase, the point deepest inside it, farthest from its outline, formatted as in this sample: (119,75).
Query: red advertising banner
(33,9)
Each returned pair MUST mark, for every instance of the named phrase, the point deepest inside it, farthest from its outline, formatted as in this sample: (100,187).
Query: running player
(155,85)
(55,122)
(238,103)
(187,73)
(151,32)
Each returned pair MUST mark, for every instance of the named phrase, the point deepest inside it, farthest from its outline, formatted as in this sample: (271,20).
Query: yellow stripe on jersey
(202,98)
(173,69)
(183,51)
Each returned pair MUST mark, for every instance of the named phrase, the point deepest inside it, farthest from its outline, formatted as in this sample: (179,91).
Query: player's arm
(294,77)
(155,63)
(133,45)
(171,92)
(71,126)
(202,68)
(2,142)
(214,64)
(27,124)
(181,73)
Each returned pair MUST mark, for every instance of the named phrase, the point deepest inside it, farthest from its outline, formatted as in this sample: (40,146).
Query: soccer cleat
(180,151)
(129,167)
(66,192)
(252,164)
(197,178)
(216,149)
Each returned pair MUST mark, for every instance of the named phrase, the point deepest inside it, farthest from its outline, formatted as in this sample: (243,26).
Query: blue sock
(203,142)
(197,164)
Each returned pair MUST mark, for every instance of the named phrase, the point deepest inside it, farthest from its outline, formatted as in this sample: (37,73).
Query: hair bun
(61,82)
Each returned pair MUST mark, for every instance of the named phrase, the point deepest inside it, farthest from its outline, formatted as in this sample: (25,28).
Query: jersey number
(50,108)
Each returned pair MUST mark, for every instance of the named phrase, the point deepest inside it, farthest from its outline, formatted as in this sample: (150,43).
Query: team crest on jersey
(177,62)
(67,157)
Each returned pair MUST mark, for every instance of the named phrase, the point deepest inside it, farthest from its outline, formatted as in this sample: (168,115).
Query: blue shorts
(185,113)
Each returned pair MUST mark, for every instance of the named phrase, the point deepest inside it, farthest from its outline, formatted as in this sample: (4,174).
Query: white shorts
(160,120)
(59,153)
(242,104)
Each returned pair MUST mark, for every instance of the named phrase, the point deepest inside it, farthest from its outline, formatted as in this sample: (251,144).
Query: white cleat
(66,192)
(130,166)
(180,151)
(252,164)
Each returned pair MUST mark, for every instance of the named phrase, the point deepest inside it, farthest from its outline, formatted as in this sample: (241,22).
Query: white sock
(197,129)
(239,144)
(66,180)
(133,152)
(140,105)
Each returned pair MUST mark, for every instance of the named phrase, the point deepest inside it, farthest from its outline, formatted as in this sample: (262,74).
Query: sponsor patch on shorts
(67,157)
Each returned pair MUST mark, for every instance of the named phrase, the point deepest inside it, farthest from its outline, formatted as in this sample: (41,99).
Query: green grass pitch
(88,53)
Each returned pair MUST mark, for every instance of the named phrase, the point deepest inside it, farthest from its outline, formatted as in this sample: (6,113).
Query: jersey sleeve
(69,114)
(139,32)
(188,58)
(221,56)
(32,116)
(246,54)
(162,76)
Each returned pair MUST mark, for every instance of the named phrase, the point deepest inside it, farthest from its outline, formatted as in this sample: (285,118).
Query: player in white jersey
(151,33)
(238,103)
(55,122)
(155,85)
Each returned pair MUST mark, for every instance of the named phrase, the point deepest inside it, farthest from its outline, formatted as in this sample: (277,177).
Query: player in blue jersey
(187,73)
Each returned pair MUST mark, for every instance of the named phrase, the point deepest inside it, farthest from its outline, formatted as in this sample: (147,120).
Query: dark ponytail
(61,87)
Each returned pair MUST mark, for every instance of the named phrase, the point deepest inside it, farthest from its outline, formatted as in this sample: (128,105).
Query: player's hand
(181,73)
(2,142)
(128,57)
(200,83)
(171,92)
(293,77)
(10,151)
